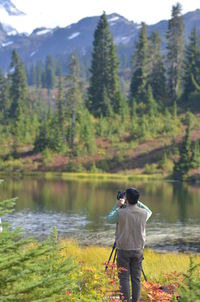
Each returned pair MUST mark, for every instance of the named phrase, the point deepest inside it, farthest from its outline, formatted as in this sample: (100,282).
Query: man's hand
(120,202)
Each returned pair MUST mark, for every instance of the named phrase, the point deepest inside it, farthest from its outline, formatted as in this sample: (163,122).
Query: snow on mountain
(33,53)
(10,31)
(74,35)
(7,43)
(10,8)
(42,31)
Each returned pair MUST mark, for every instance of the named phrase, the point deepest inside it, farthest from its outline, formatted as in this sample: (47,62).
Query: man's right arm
(112,217)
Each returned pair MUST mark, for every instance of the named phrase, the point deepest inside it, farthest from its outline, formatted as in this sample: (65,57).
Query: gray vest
(130,232)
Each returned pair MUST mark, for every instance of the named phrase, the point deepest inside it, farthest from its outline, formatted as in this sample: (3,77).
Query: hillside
(127,156)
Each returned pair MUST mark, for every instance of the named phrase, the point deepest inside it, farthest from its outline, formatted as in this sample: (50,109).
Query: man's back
(130,233)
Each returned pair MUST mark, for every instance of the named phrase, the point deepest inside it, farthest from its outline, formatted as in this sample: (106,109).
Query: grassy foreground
(155,264)
(167,270)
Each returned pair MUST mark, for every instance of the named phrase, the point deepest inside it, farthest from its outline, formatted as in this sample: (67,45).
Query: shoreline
(87,176)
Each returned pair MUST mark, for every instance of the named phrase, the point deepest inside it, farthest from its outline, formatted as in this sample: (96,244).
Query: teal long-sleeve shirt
(112,217)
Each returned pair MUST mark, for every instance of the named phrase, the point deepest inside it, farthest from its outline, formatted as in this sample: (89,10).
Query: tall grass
(155,264)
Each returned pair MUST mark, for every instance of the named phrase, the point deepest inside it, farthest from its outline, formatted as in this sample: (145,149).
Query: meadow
(167,273)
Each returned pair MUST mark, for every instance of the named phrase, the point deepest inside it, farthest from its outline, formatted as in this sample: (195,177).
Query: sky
(52,13)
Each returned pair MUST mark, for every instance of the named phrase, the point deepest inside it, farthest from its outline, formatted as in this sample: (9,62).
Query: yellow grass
(155,264)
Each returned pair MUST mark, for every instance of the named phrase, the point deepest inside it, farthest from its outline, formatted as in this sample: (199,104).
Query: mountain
(10,8)
(78,37)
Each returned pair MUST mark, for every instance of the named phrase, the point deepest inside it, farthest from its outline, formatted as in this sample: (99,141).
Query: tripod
(115,255)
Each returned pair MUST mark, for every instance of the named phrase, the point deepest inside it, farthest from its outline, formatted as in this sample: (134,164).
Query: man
(130,238)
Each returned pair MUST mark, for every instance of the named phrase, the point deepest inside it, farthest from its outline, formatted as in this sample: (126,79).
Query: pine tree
(42,139)
(157,78)
(4,98)
(49,136)
(104,96)
(139,78)
(191,65)
(19,99)
(49,72)
(38,75)
(60,108)
(196,155)
(49,76)
(175,47)
(74,95)
(151,102)
(184,164)
(31,271)
(32,75)
(87,136)
(18,87)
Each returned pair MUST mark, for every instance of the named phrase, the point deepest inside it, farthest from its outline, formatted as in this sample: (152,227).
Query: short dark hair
(132,195)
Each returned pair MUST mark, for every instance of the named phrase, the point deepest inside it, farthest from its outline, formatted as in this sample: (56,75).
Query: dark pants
(129,263)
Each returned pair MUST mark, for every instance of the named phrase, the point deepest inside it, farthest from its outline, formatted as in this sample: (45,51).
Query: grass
(155,264)
(163,270)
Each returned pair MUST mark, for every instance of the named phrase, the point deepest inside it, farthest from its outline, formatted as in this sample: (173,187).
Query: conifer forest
(142,118)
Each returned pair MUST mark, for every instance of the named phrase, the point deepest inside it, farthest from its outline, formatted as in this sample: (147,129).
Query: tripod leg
(145,278)
(114,259)
(114,245)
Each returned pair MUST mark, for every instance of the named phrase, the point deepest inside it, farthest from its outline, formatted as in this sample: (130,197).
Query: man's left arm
(142,206)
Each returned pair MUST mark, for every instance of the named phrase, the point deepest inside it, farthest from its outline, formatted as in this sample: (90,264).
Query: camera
(121,195)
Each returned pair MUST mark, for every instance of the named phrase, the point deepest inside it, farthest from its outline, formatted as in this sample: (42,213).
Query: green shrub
(32,271)
(47,157)
(74,167)
(190,288)
(151,169)
(12,165)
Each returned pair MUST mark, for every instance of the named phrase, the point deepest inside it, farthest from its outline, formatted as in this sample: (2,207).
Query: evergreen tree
(184,164)
(139,78)
(42,139)
(19,99)
(4,98)
(49,76)
(104,96)
(196,155)
(18,87)
(49,72)
(156,77)
(38,71)
(32,75)
(175,47)
(74,95)
(151,102)
(87,137)
(31,271)
(191,65)
(49,136)
(60,108)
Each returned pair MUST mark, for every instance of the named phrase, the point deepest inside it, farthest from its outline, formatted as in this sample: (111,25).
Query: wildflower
(68,292)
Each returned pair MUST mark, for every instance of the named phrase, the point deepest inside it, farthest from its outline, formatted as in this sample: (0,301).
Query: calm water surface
(78,210)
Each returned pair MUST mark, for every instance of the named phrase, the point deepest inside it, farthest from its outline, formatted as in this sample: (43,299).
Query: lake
(78,209)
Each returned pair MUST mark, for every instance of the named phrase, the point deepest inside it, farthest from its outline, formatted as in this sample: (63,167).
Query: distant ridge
(78,37)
